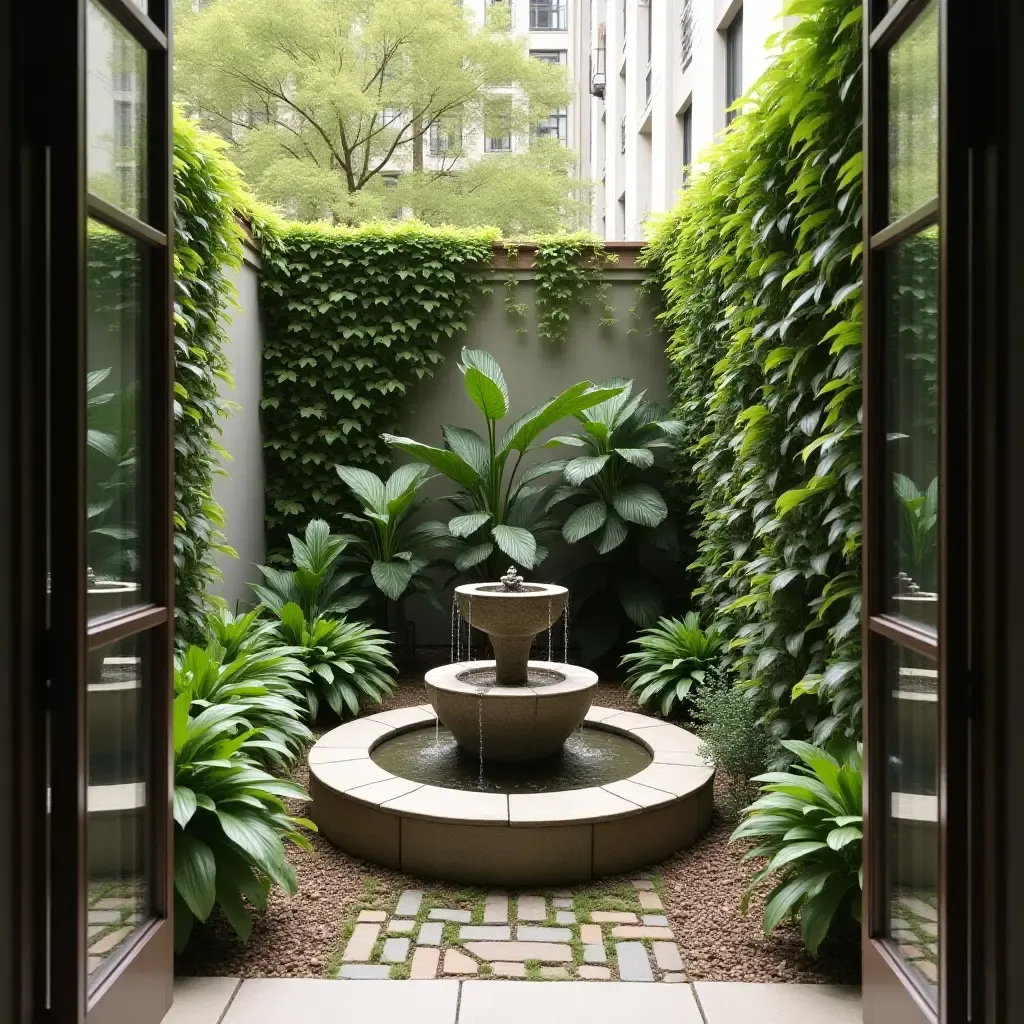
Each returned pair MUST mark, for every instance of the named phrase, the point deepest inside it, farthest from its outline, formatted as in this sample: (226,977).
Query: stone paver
(398,927)
(612,917)
(650,900)
(396,951)
(628,931)
(109,942)
(657,920)
(531,908)
(595,954)
(724,1002)
(675,979)
(372,916)
(561,893)
(201,1000)
(666,955)
(458,963)
(531,933)
(565,917)
(496,908)
(409,903)
(360,945)
(562,903)
(546,952)
(554,973)
(365,972)
(103,916)
(430,934)
(503,970)
(492,932)
(642,883)
(459,916)
(590,933)
(633,962)
(591,973)
(424,963)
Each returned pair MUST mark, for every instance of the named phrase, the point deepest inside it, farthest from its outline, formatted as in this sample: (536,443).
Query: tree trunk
(417,145)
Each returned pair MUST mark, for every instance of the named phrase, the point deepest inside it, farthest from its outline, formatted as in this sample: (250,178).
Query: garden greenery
(354,318)
(760,268)
(207,244)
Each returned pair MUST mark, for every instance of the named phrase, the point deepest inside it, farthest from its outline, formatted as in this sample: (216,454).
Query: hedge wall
(354,317)
(759,266)
(207,244)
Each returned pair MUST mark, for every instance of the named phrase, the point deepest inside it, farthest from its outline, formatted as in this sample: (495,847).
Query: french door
(95,190)
(927,136)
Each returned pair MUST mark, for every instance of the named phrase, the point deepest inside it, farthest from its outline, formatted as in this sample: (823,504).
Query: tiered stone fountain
(509,776)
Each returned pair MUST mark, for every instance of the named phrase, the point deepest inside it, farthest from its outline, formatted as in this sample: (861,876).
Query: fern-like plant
(230,818)
(808,826)
(346,660)
(672,658)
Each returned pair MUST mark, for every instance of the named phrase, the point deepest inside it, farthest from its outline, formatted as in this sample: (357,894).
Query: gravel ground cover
(307,935)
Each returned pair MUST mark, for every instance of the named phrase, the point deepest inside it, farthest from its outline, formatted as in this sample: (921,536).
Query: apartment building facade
(663,74)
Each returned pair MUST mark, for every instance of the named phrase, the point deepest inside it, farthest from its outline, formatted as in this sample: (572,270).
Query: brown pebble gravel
(701,889)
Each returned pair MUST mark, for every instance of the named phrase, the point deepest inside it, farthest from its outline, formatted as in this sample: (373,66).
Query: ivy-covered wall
(207,245)
(759,267)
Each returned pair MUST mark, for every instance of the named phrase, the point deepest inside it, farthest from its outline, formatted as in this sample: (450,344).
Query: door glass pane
(914,115)
(115,98)
(118,819)
(114,484)
(912,834)
(912,427)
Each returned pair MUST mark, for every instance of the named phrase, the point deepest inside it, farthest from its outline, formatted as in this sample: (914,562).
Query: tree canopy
(322,97)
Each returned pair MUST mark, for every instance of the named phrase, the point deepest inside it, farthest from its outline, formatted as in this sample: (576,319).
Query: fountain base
(511,723)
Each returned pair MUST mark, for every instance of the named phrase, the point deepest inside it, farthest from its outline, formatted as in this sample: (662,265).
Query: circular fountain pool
(590,757)
(379,795)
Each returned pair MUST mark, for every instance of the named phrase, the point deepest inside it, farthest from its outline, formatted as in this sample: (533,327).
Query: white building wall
(650,171)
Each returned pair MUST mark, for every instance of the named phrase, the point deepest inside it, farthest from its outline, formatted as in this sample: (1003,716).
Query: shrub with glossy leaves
(671,660)
(808,826)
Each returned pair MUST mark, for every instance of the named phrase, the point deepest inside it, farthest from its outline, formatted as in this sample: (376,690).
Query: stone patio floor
(312,1001)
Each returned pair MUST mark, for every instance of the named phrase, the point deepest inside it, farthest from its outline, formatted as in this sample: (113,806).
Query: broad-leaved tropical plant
(345,660)
(230,819)
(918,535)
(317,584)
(391,553)
(501,508)
(808,825)
(671,659)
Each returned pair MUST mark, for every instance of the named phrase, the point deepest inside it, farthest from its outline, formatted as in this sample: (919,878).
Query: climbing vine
(207,244)
(354,318)
(759,266)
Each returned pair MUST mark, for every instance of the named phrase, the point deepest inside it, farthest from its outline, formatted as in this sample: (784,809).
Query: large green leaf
(518,543)
(485,383)
(366,486)
(391,577)
(444,461)
(584,521)
(473,556)
(578,471)
(463,526)
(817,913)
(525,430)
(640,504)
(469,446)
(184,805)
(195,873)
(612,535)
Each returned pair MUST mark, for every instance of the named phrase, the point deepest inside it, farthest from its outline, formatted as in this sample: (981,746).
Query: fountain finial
(512,581)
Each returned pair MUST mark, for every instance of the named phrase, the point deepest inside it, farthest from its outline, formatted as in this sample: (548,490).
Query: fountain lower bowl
(516,838)
(511,723)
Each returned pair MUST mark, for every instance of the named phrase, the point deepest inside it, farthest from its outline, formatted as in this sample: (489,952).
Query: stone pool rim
(511,839)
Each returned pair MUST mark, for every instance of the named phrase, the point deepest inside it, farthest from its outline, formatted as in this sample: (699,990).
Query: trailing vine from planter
(760,266)
(354,319)
(207,245)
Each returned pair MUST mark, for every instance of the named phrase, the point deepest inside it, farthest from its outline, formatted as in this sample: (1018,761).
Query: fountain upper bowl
(500,612)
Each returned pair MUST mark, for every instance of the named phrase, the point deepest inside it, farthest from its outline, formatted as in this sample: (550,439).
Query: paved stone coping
(446,677)
(341,761)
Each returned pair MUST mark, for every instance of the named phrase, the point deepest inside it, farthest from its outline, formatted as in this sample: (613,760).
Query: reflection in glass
(912,426)
(113,483)
(912,833)
(117,805)
(914,116)
(115,112)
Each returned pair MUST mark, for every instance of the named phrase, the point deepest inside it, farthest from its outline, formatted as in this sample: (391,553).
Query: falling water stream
(565,633)
(549,628)
(480,734)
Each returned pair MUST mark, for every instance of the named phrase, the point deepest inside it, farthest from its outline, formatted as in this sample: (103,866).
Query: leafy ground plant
(345,660)
(671,660)
(501,511)
(230,820)
(808,826)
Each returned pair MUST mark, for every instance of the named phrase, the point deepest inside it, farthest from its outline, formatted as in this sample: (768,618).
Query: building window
(554,127)
(548,16)
(124,124)
(498,125)
(733,65)
(506,6)
(687,144)
(445,140)
(551,56)
(686,34)
(650,31)
(390,180)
